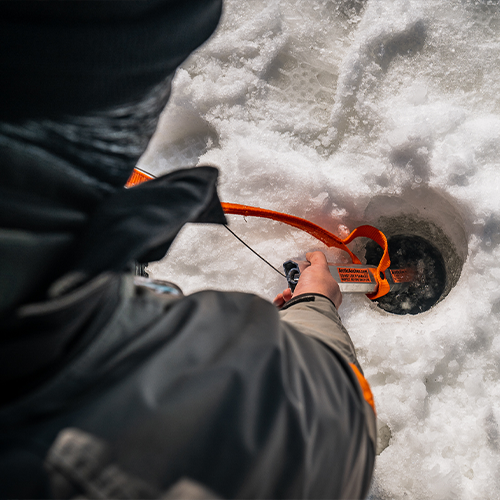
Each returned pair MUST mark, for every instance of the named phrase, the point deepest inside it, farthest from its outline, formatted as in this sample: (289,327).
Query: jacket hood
(57,224)
(68,58)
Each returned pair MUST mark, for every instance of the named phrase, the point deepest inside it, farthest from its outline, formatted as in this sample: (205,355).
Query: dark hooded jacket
(111,389)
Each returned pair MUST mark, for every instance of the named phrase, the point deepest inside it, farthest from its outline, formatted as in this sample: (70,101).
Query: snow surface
(344,112)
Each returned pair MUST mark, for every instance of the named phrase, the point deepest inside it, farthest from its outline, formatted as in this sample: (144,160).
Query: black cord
(251,249)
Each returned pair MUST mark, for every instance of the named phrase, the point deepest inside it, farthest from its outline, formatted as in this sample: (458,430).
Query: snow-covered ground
(348,112)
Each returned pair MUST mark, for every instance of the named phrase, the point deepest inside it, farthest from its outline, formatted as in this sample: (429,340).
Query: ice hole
(425,232)
(426,262)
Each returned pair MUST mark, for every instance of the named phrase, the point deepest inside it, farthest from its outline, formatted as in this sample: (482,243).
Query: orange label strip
(402,275)
(353,275)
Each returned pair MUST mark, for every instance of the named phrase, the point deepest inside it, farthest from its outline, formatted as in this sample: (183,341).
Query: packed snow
(349,112)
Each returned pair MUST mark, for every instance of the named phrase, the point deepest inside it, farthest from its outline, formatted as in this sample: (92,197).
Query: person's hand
(315,277)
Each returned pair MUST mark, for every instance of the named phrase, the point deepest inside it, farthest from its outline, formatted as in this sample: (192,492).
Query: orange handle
(326,237)
(138,177)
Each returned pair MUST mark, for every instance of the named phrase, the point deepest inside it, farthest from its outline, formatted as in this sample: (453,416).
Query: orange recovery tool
(375,281)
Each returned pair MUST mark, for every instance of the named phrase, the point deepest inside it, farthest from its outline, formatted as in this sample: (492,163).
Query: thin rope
(252,250)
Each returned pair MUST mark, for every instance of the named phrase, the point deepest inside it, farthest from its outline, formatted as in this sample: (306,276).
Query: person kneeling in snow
(112,389)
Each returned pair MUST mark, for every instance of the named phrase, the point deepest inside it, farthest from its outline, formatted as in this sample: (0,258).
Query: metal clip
(292,273)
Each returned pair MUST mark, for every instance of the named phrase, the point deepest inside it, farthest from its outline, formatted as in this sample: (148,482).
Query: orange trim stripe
(365,387)
(138,177)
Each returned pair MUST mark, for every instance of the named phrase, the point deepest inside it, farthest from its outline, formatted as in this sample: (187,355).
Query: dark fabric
(63,241)
(83,85)
(141,223)
(64,57)
(213,387)
(34,346)
(44,202)
(22,474)
(102,146)
(79,466)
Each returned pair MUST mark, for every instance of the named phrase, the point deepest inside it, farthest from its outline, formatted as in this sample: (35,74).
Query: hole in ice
(425,229)
(414,252)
